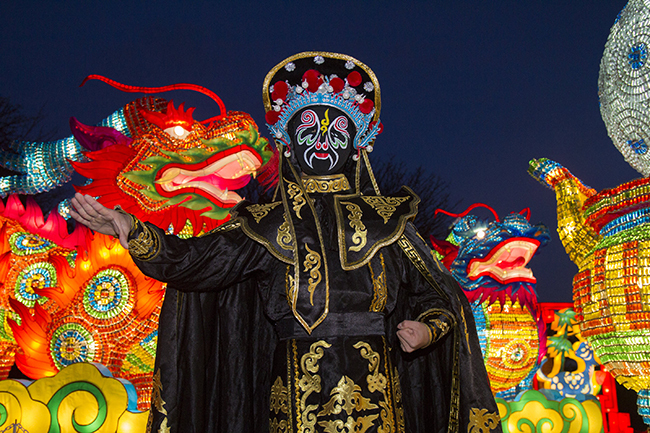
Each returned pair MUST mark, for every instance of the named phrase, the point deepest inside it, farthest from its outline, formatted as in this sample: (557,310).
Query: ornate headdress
(323,78)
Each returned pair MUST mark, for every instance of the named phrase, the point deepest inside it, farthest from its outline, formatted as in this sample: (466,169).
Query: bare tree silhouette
(16,126)
(433,191)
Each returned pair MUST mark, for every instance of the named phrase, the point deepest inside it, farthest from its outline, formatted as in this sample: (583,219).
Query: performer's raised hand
(99,218)
(413,335)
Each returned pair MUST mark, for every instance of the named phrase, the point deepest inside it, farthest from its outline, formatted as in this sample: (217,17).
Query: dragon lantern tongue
(217,179)
(506,262)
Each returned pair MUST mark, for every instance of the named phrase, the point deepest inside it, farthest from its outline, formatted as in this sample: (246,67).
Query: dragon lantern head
(491,257)
(170,169)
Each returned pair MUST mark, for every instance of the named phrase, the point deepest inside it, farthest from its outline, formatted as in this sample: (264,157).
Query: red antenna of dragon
(180,86)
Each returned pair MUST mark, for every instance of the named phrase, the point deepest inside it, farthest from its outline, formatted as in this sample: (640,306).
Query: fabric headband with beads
(318,88)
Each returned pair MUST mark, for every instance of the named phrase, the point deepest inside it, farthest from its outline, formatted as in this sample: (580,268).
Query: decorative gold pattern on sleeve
(312,264)
(259,211)
(225,227)
(326,184)
(431,335)
(297,196)
(310,382)
(284,238)
(146,245)
(482,421)
(419,264)
(379,287)
(437,328)
(360,236)
(385,206)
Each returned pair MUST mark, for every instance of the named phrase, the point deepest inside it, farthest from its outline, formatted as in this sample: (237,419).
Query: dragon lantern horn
(460,215)
(180,86)
(526,213)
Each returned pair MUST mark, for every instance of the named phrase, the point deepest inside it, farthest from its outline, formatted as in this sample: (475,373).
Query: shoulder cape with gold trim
(364,225)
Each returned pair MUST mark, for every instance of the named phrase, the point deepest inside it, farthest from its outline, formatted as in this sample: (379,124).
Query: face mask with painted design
(322,137)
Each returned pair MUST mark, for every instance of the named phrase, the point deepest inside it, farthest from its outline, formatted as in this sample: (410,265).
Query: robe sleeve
(428,286)
(219,259)
(451,371)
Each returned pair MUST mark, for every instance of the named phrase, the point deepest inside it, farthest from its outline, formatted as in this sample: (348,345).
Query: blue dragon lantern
(77,297)
(489,259)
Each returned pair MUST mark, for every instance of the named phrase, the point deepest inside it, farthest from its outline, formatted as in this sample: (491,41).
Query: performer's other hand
(99,218)
(412,335)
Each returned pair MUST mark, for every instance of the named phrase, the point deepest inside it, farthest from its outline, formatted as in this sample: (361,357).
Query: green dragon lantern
(607,233)
(69,298)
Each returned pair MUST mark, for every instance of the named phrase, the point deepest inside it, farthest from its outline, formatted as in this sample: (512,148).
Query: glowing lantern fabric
(81,398)
(532,412)
(624,84)
(68,298)
(607,234)
(610,242)
(60,307)
(510,342)
(566,342)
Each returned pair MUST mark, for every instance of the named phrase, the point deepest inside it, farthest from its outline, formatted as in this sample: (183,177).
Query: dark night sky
(471,89)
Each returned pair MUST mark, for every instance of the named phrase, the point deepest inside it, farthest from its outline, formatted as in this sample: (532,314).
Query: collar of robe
(290,230)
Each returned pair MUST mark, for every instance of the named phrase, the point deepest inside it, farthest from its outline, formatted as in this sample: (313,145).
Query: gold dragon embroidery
(482,421)
(379,287)
(323,185)
(297,196)
(377,382)
(284,238)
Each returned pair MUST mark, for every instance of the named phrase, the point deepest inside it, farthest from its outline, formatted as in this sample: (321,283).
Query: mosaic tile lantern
(607,234)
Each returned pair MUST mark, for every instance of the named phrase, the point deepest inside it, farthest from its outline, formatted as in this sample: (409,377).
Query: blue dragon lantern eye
(469,227)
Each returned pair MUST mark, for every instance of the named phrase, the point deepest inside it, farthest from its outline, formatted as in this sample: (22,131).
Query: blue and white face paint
(322,137)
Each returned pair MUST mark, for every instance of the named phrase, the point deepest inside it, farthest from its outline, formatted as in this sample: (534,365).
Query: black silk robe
(233,358)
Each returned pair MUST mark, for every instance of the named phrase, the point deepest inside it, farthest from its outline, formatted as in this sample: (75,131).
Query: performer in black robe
(323,311)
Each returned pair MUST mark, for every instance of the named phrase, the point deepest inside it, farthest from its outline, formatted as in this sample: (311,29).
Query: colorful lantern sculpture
(607,234)
(566,342)
(67,298)
(489,260)
(84,397)
(604,236)
(26,264)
